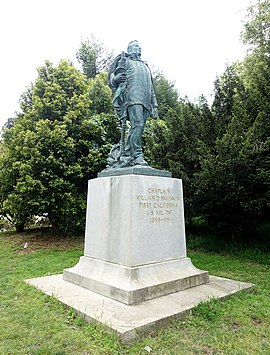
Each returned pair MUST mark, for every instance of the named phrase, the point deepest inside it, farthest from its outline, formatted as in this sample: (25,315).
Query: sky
(190,41)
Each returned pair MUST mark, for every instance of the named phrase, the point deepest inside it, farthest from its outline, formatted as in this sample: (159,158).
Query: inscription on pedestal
(135,220)
(159,205)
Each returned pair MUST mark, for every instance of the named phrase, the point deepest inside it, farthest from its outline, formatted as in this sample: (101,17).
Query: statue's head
(134,48)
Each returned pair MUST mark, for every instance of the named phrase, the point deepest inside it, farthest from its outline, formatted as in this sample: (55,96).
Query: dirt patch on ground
(32,240)
(256,321)
(235,326)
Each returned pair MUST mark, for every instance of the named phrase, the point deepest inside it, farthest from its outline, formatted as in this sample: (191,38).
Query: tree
(156,130)
(166,93)
(93,57)
(56,144)
(256,32)
(225,88)
(233,184)
(13,207)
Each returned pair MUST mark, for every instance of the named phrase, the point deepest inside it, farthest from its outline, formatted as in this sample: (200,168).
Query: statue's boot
(140,161)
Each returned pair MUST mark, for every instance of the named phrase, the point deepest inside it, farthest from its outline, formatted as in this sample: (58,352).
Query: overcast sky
(189,40)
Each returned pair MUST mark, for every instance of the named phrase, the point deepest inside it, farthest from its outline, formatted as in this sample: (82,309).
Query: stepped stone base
(132,285)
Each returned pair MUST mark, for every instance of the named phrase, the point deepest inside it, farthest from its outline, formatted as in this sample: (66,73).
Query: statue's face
(135,49)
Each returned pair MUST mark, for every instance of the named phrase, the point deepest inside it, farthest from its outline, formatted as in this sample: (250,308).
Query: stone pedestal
(135,247)
(135,276)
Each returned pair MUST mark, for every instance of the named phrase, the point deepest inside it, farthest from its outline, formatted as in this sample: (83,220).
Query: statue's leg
(137,115)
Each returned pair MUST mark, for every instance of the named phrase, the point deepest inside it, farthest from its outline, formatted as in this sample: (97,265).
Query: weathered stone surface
(135,247)
(134,220)
(132,285)
(131,322)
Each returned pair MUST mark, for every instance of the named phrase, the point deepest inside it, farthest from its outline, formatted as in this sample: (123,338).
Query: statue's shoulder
(115,62)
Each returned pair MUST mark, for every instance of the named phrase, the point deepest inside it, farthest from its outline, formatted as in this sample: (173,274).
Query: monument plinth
(135,247)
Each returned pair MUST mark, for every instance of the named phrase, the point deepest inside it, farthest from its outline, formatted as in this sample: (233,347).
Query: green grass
(33,323)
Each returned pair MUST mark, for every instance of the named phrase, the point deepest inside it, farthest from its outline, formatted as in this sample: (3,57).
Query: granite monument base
(135,247)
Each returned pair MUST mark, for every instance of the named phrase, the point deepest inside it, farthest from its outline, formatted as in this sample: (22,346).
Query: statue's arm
(118,79)
(154,102)
(154,98)
(117,74)
(112,81)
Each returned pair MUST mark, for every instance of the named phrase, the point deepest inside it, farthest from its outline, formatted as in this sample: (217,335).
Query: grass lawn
(33,323)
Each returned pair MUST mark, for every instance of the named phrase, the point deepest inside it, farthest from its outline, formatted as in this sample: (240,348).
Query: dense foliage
(59,141)
(93,57)
(222,154)
(234,182)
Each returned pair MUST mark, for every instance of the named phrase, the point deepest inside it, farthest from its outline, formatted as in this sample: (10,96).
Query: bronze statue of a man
(134,100)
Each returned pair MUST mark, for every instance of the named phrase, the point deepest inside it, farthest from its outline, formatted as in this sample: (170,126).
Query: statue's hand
(155,112)
(120,78)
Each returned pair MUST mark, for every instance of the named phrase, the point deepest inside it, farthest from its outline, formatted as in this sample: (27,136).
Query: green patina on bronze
(134,100)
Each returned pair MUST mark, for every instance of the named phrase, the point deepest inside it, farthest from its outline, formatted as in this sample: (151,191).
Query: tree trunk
(19,227)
